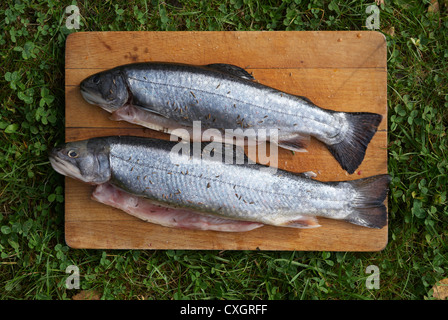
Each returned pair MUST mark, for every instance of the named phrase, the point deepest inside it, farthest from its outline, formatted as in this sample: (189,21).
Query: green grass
(34,256)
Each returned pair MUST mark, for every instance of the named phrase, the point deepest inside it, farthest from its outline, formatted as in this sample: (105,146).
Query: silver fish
(168,96)
(200,179)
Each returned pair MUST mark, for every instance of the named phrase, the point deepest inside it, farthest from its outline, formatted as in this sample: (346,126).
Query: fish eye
(96,79)
(72,154)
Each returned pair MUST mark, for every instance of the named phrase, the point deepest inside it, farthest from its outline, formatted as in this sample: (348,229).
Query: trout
(227,100)
(175,175)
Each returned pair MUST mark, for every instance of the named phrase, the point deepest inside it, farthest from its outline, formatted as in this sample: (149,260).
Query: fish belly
(169,217)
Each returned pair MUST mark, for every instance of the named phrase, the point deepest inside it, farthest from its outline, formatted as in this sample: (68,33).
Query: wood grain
(343,71)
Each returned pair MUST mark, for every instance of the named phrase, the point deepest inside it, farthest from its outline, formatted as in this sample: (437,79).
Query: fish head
(87,160)
(107,89)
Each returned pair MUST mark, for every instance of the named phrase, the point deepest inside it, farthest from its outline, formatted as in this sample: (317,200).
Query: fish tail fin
(350,152)
(368,206)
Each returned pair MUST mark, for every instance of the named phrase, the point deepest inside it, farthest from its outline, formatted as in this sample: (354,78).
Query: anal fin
(294,142)
(303,222)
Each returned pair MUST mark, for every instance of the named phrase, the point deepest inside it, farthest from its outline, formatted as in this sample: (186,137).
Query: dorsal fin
(231,69)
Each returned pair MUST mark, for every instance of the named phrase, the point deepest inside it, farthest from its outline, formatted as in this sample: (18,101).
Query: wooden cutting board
(343,71)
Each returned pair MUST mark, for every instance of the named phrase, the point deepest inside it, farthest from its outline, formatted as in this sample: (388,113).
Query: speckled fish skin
(223,96)
(148,168)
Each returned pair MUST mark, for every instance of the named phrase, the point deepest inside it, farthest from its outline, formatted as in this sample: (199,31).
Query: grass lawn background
(34,257)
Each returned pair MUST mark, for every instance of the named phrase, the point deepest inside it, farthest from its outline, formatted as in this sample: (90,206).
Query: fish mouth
(96,99)
(92,97)
(66,168)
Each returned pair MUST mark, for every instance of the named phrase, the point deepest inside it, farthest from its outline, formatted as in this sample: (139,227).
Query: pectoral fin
(148,119)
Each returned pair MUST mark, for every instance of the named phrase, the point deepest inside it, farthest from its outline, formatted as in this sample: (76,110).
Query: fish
(229,104)
(208,179)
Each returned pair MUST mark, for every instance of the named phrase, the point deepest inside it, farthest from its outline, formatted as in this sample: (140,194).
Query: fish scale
(236,191)
(208,93)
(203,184)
